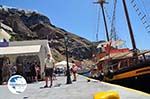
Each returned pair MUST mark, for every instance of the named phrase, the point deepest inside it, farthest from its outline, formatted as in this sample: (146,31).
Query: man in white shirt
(49,67)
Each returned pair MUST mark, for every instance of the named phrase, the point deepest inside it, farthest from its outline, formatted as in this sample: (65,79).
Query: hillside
(30,25)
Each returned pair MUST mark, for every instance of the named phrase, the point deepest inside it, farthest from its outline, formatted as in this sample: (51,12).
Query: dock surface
(81,89)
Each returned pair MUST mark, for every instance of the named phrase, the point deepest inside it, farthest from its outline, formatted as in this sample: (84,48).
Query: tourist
(54,76)
(33,72)
(37,69)
(6,70)
(49,67)
(13,69)
(74,70)
(27,71)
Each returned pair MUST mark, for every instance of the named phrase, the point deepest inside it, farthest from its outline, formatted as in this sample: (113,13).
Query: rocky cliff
(30,25)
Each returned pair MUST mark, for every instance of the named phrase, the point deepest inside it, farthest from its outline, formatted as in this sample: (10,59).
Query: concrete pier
(81,89)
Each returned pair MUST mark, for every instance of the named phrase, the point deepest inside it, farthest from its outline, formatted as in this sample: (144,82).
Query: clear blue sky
(80,17)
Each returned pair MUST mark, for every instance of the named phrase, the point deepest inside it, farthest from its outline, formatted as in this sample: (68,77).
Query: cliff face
(29,25)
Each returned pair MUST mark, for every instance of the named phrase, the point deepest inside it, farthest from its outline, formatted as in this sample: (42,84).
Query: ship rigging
(124,66)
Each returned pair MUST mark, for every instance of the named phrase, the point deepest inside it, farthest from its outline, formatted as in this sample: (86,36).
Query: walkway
(77,90)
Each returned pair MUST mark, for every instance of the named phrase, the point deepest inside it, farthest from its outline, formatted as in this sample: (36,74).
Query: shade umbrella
(62,64)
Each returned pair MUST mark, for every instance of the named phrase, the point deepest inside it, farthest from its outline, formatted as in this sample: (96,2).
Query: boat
(123,66)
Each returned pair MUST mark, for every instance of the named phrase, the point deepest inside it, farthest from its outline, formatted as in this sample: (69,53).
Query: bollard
(107,95)
(88,80)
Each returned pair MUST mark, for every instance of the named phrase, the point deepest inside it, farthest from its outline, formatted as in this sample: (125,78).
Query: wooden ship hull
(137,77)
(124,69)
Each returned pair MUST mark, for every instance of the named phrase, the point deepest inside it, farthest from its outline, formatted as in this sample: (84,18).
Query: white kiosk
(26,48)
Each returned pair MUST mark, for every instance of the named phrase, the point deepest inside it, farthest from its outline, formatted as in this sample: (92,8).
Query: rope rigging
(142,14)
(101,3)
(113,35)
(98,23)
(148,16)
(111,21)
(107,15)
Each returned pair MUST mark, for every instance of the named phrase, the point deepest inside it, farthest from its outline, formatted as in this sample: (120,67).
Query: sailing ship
(124,66)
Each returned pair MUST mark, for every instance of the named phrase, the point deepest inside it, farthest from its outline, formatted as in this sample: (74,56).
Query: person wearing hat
(49,67)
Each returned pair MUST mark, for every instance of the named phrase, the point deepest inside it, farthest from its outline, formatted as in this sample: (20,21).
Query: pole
(106,29)
(101,2)
(129,26)
(68,69)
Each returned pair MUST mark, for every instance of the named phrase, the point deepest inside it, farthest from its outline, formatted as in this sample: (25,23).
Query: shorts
(28,74)
(33,73)
(48,72)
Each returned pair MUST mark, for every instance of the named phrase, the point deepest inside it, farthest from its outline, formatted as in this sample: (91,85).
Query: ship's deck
(81,89)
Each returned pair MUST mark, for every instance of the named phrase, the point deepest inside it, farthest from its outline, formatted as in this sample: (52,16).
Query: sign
(17,84)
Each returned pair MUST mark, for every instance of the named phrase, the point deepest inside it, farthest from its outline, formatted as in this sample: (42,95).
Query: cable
(143,15)
(98,24)
(108,16)
(147,15)
(113,29)
(145,9)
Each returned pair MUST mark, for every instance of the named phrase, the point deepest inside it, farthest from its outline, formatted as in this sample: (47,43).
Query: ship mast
(130,28)
(101,2)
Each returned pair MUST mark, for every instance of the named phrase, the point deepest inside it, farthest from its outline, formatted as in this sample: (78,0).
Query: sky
(81,17)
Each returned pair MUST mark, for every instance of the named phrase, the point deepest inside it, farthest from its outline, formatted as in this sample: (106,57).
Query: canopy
(112,43)
(117,43)
(63,64)
(19,49)
(4,35)
(117,56)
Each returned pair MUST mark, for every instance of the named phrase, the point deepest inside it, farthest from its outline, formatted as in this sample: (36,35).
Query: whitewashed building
(39,48)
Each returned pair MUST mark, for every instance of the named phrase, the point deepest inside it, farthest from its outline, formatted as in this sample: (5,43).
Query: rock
(30,25)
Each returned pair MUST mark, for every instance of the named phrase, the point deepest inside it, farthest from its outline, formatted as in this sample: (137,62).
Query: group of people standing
(49,69)
(31,71)
(7,70)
